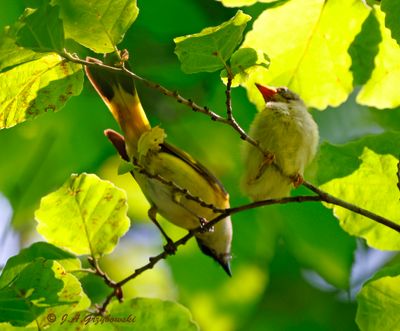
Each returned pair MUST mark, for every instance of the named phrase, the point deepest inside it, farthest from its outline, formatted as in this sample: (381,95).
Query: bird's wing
(196,166)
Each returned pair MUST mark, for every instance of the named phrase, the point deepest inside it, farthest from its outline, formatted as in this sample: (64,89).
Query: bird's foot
(203,227)
(170,247)
(269,158)
(297,180)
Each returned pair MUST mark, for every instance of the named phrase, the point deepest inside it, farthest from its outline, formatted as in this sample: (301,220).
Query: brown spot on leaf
(64,67)
(108,197)
(74,192)
(63,98)
(32,112)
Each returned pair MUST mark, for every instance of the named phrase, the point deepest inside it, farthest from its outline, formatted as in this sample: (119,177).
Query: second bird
(285,129)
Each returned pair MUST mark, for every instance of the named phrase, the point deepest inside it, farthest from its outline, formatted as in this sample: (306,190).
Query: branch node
(118,294)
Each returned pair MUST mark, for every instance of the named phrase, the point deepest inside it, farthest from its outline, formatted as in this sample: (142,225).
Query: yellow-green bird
(287,130)
(157,157)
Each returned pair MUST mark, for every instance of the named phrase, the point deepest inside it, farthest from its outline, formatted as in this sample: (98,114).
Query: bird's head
(279,94)
(217,244)
(223,259)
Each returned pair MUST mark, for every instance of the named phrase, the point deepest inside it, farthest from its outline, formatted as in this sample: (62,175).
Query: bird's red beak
(267,92)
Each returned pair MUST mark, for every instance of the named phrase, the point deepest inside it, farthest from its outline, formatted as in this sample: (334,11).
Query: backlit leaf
(392,9)
(381,89)
(309,52)
(379,302)
(372,187)
(37,87)
(86,215)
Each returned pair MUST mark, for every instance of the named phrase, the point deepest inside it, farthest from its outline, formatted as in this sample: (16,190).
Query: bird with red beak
(285,129)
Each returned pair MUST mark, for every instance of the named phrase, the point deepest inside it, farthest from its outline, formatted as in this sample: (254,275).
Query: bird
(286,130)
(146,145)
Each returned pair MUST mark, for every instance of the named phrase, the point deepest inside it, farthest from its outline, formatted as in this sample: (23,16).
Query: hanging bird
(146,145)
(286,129)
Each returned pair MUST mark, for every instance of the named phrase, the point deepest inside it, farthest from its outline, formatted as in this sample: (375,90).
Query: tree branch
(176,188)
(173,94)
(182,241)
(398,175)
(326,197)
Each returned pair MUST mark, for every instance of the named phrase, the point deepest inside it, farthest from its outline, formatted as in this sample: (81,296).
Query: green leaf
(94,286)
(9,327)
(72,300)
(377,173)
(37,250)
(373,2)
(336,161)
(41,29)
(392,9)
(242,62)
(125,167)
(364,49)
(379,302)
(245,58)
(165,315)
(70,297)
(309,52)
(241,3)
(150,141)
(86,215)
(97,24)
(209,49)
(381,89)
(10,53)
(37,87)
(31,291)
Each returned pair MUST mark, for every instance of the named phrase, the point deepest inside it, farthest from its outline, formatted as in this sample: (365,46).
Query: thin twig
(322,196)
(227,212)
(117,290)
(94,263)
(173,94)
(398,174)
(84,270)
(326,197)
(177,188)
(229,113)
(182,241)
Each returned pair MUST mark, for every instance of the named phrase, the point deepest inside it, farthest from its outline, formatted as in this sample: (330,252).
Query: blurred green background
(280,253)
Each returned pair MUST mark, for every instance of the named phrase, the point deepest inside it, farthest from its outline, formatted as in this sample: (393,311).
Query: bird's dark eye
(287,94)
